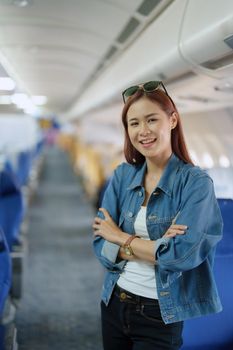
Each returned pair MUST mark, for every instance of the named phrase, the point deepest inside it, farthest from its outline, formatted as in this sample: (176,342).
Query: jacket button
(140,194)
(130,214)
(163,294)
(155,193)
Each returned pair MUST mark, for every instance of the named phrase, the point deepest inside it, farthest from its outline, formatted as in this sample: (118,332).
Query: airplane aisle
(62,280)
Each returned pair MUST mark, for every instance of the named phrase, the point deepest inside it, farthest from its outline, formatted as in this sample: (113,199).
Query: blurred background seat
(7,328)
(215,332)
(11,208)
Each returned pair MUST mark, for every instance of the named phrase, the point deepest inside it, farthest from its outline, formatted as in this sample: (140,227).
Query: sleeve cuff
(110,251)
(161,242)
(166,277)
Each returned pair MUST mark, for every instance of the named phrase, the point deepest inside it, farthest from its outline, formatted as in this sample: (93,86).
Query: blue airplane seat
(11,208)
(225,246)
(5,271)
(2,336)
(39,147)
(8,167)
(8,180)
(215,332)
(24,167)
(12,170)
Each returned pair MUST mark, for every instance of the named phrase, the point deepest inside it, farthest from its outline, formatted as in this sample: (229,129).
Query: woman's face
(149,128)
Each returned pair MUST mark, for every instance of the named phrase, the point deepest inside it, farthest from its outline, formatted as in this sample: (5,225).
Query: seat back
(214,332)
(11,208)
(24,167)
(5,271)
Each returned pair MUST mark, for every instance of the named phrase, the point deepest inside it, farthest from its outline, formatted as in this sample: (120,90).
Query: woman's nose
(144,129)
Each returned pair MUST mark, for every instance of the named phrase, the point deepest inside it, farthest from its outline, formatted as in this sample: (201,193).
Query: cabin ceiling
(55,48)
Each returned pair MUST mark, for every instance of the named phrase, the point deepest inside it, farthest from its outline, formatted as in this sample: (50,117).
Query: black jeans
(132,322)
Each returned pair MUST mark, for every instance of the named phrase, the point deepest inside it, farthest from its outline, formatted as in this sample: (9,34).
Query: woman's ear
(173,120)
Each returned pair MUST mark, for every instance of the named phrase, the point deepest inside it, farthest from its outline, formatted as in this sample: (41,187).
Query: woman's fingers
(97,220)
(176,230)
(179,227)
(95,226)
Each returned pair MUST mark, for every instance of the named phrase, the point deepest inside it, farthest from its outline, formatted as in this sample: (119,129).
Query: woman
(156,231)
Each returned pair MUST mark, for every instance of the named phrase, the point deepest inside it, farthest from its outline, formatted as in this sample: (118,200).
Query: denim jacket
(183,268)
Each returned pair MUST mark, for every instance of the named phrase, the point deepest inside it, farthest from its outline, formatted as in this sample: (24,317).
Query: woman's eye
(152,120)
(134,124)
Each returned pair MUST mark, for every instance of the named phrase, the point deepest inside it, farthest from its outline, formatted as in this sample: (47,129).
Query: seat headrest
(8,183)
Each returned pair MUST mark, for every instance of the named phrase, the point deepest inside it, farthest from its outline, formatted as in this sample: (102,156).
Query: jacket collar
(167,179)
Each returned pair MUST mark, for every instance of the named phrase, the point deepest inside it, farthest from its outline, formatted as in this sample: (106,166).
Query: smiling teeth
(148,141)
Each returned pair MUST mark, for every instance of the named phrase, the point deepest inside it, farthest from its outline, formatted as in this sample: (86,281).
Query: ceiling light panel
(130,27)
(7,84)
(53,43)
(17,3)
(148,6)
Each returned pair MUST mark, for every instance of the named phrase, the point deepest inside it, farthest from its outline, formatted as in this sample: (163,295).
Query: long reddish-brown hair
(177,136)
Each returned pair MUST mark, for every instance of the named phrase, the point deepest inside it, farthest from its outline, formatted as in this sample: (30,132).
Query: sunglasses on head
(147,87)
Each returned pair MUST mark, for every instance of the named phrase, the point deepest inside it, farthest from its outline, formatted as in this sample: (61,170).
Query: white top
(138,277)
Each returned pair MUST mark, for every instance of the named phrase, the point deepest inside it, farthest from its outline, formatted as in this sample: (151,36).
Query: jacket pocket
(126,221)
(159,226)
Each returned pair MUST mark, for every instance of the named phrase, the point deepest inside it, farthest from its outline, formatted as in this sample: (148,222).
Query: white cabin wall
(210,132)
(209,139)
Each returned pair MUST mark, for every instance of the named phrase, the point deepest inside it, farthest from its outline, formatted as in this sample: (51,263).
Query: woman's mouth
(148,142)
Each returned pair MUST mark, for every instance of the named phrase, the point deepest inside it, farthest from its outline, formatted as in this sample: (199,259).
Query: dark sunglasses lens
(130,91)
(151,85)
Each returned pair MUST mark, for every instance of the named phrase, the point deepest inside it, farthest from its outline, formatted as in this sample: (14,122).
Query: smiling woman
(157,104)
(149,128)
(156,231)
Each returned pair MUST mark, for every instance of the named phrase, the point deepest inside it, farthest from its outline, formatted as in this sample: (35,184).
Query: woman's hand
(108,229)
(175,230)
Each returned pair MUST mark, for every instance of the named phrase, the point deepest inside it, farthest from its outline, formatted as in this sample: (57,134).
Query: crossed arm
(143,249)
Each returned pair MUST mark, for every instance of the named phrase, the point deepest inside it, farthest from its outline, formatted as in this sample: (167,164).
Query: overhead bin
(183,42)
(206,37)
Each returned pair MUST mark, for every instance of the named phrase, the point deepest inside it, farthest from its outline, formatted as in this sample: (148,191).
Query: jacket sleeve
(200,212)
(105,251)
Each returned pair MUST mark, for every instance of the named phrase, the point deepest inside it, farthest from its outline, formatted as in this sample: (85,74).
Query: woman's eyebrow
(145,116)
(151,115)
